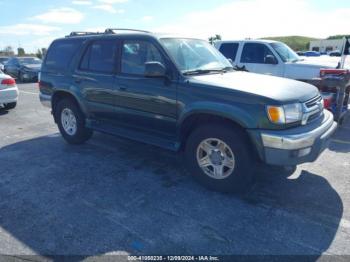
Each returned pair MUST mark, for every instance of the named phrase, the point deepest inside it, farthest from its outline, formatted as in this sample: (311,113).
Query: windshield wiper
(208,71)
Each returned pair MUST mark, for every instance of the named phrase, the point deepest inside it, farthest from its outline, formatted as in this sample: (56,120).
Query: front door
(145,103)
(96,79)
(256,58)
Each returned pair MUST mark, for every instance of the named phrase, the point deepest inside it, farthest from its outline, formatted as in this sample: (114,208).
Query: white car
(8,92)
(274,58)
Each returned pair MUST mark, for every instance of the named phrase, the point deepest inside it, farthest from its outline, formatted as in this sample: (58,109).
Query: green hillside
(297,43)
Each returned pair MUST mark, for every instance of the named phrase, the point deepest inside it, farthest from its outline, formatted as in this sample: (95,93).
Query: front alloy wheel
(220,157)
(215,158)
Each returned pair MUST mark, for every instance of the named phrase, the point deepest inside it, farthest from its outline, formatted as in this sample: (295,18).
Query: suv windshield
(285,52)
(195,56)
(29,60)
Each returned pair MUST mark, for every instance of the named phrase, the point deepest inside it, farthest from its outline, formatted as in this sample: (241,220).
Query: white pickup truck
(274,58)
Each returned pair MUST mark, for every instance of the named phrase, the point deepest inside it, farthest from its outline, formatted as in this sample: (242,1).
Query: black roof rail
(79,33)
(112,30)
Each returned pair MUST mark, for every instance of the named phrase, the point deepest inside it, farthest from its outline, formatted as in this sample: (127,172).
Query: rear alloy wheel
(71,122)
(219,157)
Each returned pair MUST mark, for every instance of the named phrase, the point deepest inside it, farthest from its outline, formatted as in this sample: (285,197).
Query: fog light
(304,152)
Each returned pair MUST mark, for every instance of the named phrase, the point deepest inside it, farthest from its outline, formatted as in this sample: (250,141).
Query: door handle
(77,80)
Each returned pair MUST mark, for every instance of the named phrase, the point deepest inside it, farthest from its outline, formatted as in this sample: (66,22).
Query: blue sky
(35,23)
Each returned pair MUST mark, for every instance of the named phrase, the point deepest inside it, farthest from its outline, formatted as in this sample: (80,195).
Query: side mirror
(155,70)
(230,60)
(270,59)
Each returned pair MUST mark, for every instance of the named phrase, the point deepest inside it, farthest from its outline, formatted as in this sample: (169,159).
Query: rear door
(254,58)
(95,77)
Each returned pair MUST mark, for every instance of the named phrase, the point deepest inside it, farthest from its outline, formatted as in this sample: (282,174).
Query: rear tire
(20,77)
(71,122)
(226,145)
(10,106)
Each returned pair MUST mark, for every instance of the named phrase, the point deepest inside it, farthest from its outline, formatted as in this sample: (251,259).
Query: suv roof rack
(78,33)
(107,31)
(113,30)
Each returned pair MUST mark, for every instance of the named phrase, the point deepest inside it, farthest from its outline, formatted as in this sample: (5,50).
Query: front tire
(71,122)
(220,158)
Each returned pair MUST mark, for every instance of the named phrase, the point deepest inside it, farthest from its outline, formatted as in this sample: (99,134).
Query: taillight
(8,82)
(336,72)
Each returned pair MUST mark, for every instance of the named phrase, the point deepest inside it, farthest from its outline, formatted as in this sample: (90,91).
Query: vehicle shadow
(341,139)
(113,195)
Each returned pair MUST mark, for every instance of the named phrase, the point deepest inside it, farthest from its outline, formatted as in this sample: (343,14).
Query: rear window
(61,53)
(229,50)
(100,57)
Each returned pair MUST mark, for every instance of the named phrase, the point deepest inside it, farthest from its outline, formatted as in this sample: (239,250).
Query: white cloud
(61,16)
(82,2)
(28,29)
(110,2)
(260,18)
(147,18)
(109,8)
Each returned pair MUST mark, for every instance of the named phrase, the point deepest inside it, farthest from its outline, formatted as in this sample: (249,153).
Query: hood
(279,89)
(319,62)
(34,67)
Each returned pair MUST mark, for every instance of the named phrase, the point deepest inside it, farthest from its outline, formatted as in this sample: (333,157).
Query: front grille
(313,102)
(312,109)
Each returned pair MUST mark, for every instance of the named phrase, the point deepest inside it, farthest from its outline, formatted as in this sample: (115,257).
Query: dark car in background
(23,68)
(3,61)
(312,54)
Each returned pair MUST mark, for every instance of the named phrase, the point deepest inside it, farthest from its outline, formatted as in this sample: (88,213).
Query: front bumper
(297,145)
(8,95)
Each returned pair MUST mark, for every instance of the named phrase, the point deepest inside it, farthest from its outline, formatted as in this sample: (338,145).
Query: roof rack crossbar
(77,33)
(112,30)
(107,31)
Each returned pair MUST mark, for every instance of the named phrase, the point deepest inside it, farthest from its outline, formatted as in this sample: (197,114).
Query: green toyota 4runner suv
(183,95)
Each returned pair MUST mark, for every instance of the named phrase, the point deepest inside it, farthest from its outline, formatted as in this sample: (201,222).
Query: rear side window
(61,53)
(100,57)
(229,50)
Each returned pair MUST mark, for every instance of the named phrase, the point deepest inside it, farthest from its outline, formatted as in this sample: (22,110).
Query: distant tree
(8,51)
(20,51)
(212,39)
(39,54)
(43,52)
(338,36)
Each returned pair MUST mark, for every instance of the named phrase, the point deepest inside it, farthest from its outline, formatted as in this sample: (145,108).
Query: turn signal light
(276,114)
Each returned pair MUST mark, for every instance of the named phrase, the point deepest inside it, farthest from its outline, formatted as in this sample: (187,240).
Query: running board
(137,135)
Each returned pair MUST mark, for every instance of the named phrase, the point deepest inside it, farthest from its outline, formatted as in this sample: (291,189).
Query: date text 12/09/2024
(173,258)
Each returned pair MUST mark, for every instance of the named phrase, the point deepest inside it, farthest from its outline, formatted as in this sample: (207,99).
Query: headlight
(285,114)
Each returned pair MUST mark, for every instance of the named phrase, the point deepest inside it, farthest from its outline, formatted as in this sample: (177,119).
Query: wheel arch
(63,94)
(195,120)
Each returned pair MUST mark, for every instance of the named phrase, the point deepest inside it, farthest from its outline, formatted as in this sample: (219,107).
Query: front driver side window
(255,53)
(135,54)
